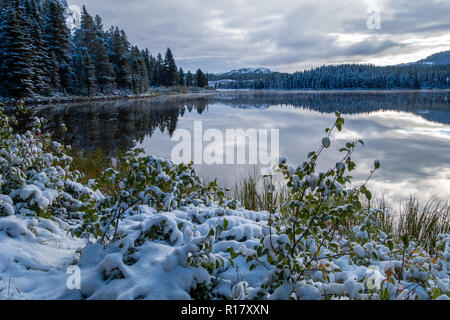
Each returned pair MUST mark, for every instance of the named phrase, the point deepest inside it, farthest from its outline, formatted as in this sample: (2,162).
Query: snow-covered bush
(34,174)
(139,180)
(323,231)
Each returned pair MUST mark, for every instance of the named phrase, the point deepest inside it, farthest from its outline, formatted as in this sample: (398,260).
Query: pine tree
(139,71)
(103,67)
(171,70)
(189,79)
(89,74)
(57,40)
(53,71)
(118,55)
(200,79)
(41,77)
(16,69)
(181,80)
(149,64)
(158,74)
(86,79)
(90,38)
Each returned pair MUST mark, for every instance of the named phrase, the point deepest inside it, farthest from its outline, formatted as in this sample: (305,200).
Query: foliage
(324,220)
(34,174)
(143,180)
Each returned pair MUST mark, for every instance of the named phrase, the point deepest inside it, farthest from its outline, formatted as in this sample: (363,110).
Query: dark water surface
(409,132)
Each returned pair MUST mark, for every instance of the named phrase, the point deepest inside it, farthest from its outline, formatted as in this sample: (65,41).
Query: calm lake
(409,132)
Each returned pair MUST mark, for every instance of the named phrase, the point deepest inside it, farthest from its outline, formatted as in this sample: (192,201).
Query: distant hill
(431,72)
(246,71)
(440,58)
(244,76)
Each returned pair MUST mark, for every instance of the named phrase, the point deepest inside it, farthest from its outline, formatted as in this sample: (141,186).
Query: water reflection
(115,126)
(408,132)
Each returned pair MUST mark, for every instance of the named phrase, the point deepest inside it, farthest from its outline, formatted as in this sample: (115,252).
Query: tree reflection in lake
(408,132)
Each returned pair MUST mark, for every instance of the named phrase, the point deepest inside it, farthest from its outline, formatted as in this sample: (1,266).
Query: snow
(326,142)
(36,253)
(246,71)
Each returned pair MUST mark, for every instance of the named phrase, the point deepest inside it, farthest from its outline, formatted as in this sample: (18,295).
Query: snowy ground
(151,263)
(36,253)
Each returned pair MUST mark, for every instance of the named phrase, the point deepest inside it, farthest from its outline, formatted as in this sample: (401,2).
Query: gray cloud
(285,35)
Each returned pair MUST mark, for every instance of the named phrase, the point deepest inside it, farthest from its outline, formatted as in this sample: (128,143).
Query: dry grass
(253,194)
(421,223)
(91,163)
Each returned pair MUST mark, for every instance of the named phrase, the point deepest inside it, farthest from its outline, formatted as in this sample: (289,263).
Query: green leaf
(390,244)
(225,224)
(377,164)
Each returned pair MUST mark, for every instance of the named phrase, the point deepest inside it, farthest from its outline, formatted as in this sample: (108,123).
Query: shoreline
(174,94)
(334,91)
(37,102)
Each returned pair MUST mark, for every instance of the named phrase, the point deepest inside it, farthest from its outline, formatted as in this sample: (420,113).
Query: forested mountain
(40,55)
(439,58)
(432,72)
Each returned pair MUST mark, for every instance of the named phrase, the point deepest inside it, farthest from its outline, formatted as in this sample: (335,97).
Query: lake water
(409,132)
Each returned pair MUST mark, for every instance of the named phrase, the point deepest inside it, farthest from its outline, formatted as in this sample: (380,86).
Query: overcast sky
(283,35)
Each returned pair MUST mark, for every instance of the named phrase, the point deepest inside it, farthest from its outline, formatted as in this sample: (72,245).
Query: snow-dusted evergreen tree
(170,68)
(40,57)
(89,38)
(200,79)
(158,74)
(53,70)
(189,79)
(57,40)
(139,71)
(149,63)
(181,77)
(16,67)
(118,51)
(104,68)
(85,76)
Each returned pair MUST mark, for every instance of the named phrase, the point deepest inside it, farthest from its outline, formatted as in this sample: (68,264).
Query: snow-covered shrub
(323,230)
(34,174)
(141,179)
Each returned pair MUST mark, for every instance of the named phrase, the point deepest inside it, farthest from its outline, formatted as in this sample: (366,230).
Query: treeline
(352,76)
(40,55)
